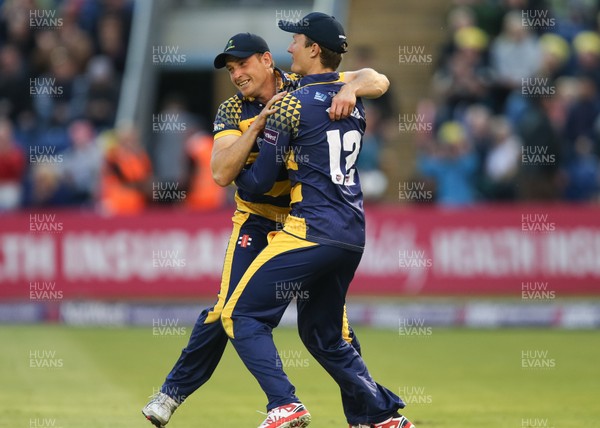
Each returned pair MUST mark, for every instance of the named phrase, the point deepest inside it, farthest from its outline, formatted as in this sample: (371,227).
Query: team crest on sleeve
(270,136)
(217,126)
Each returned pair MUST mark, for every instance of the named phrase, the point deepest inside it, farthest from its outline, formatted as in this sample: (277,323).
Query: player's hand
(268,110)
(342,104)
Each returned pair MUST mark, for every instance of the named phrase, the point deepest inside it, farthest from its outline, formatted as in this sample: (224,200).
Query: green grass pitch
(451,378)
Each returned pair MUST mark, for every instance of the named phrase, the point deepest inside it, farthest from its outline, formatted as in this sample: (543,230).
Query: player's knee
(308,337)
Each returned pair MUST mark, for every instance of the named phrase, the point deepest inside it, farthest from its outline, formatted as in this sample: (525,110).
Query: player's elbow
(384,83)
(221,179)
(381,86)
(381,83)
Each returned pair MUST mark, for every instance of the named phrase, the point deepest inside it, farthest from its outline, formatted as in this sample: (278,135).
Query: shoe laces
(163,399)
(281,412)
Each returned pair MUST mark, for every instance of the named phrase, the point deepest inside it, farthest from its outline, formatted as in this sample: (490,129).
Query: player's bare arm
(230,152)
(366,83)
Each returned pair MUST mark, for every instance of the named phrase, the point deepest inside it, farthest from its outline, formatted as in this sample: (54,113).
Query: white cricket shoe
(159,409)
(293,415)
(396,421)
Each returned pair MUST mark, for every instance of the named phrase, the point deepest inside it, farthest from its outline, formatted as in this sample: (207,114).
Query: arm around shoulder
(367,83)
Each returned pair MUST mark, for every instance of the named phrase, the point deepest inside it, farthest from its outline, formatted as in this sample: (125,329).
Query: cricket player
(321,243)
(239,121)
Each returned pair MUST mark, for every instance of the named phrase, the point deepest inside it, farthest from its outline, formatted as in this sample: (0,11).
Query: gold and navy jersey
(234,116)
(320,156)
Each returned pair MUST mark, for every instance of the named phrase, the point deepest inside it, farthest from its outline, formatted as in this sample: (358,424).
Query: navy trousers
(200,357)
(320,275)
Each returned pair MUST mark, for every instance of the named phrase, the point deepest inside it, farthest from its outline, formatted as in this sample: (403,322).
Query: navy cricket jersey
(320,156)
(234,116)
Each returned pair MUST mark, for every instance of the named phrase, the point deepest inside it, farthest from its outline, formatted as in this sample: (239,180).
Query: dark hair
(328,58)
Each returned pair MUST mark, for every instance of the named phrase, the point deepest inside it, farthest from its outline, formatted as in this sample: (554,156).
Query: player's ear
(315,50)
(267,59)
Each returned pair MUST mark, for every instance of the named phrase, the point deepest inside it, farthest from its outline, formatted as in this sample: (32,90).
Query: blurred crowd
(61,68)
(61,64)
(514,108)
(515,104)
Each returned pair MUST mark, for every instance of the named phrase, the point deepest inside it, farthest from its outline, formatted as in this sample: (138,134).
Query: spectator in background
(555,52)
(14,27)
(60,99)
(515,56)
(174,126)
(376,160)
(582,115)
(373,180)
(203,194)
(91,11)
(81,163)
(47,188)
(126,173)
(502,162)
(587,50)
(14,84)
(77,42)
(573,16)
(459,17)
(12,168)
(466,79)
(488,14)
(112,40)
(583,173)
(478,127)
(101,93)
(451,164)
(364,57)
(538,178)
(46,42)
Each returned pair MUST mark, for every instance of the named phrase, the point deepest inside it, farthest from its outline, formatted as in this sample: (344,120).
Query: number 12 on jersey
(351,143)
